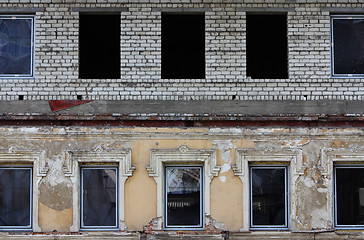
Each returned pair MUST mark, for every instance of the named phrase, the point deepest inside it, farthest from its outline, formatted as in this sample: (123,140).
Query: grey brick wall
(56,52)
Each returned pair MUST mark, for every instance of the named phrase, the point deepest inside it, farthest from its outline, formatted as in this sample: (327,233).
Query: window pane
(16,46)
(183,196)
(99,197)
(348,40)
(15,197)
(268,188)
(350,196)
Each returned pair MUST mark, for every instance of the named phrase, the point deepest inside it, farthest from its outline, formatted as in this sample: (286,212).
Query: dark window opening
(269,203)
(184,201)
(349,196)
(99,198)
(21,97)
(348,46)
(183,46)
(15,198)
(99,46)
(79,97)
(266,46)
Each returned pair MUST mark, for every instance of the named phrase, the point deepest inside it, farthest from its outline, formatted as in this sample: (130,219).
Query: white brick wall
(56,59)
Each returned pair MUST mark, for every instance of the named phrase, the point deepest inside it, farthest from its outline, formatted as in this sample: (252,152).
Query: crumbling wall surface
(310,154)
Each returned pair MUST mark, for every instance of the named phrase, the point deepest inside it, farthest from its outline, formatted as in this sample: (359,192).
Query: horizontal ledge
(181,10)
(21,10)
(265,9)
(342,10)
(99,10)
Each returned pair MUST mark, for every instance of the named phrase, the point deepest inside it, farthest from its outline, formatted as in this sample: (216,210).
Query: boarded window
(347,35)
(99,46)
(184,197)
(269,197)
(16,46)
(266,42)
(99,198)
(15,198)
(183,46)
(349,197)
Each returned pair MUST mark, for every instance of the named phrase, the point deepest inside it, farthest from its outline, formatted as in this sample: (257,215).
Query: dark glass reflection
(15,46)
(183,196)
(99,197)
(350,196)
(348,39)
(268,196)
(15,197)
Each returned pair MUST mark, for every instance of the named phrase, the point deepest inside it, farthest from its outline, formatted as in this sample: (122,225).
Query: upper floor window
(349,196)
(15,198)
(183,46)
(99,46)
(99,198)
(266,46)
(347,46)
(269,197)
(16,46)
(184,197)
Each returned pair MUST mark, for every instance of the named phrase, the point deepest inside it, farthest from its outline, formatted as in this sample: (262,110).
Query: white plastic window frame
(98,228)
(286,214)
(332,18)
(202,209)
(29,227)
(337,226)
(32,55)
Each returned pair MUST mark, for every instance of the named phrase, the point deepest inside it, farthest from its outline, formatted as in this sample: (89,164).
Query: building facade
(198,119)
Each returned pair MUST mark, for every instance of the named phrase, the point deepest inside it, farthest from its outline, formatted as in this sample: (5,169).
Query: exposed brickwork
(56,57)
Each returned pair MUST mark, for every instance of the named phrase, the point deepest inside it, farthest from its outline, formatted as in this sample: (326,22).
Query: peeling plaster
(222,179)
(225,147)
(295,143)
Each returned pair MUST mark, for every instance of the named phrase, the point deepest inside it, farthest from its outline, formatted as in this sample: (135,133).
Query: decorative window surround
(326,165)
(244,157)
(36,158)
(97,156)
(183,155)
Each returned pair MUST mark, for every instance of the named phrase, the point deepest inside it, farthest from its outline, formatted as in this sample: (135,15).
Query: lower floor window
(184,197)
(349,196)
(15,198)
(99,197)
(269,197)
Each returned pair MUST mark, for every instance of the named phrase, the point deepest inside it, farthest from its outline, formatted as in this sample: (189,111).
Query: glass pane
(99,197)
(350,196)
(15,197)
(183,196)
(348,46)
(268,196)
(15,46)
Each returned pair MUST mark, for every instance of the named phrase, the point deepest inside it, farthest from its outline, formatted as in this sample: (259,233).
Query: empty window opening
(15,198)
(99,46)
(347,52)
(269,197)
(183,46)
(99,198)
(79,97)
(183,197)
(266,42)
(21,97)
(349,197)
(17,46)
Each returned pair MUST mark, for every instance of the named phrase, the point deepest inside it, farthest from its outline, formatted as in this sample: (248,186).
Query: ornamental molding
(183,155)
(97,156)
(246,156)
(331,155)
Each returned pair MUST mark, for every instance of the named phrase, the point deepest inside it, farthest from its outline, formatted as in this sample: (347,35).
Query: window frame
(336,226)
(98,228)
(287,200)
(202,199)
(332,45)
(32,55)
(30,226)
